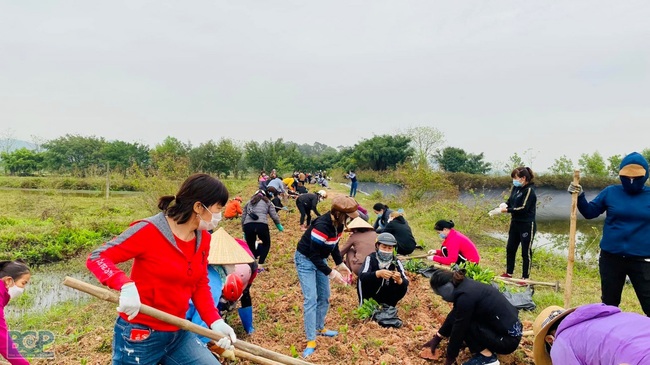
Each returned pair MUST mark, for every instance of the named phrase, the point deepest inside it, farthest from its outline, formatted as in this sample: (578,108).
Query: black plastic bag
(521,300)
(386,316)
(427,271)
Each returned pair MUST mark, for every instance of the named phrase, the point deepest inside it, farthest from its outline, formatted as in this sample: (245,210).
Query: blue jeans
(316,292)
(353,188)
(166,348)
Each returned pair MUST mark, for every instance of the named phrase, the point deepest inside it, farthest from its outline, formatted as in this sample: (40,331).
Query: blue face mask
(442,235)
(516,183)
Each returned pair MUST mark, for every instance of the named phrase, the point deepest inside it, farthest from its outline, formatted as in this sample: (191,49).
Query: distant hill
(10,145)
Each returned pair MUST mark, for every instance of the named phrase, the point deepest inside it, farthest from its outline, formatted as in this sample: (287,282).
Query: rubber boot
(246,316)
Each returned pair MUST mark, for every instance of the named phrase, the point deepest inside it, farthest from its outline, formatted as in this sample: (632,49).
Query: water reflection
(554,236)
(45,290)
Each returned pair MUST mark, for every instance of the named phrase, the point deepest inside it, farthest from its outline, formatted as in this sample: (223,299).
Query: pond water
(553,214)
(46,289)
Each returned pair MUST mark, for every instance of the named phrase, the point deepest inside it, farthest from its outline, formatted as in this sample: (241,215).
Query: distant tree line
(420,146)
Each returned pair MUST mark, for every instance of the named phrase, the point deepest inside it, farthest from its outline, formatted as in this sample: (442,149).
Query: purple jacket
(601,334)
(7,346)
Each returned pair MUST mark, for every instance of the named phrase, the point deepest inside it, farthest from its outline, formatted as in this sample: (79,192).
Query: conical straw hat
(224,250)
(358,222)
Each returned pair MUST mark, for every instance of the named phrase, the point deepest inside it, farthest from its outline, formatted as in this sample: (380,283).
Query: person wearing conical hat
(359,245)
(230,276)
(592,334)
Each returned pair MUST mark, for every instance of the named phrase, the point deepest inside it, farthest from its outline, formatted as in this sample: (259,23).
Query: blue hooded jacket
(626,231)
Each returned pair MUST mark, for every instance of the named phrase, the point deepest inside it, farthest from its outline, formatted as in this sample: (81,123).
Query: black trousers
(304,212)
(389,293)
(614,268)
(251,232)
(480,337)
(520,233)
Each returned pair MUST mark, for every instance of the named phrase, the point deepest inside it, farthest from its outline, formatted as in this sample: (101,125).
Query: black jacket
(369,283)
(319,241)
(522,203)
(399,228)
(478,302)
(310,202)
(383,219)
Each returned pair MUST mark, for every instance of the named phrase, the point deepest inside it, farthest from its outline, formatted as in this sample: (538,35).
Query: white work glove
(335,275)
(498,210)
(430,258)
(220,326)
(431,252)
(575,188)
(225,343)
(129,301)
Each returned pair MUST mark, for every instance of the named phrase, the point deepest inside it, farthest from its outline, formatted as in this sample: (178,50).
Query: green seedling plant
(366,310)
(478,273)
(414,265)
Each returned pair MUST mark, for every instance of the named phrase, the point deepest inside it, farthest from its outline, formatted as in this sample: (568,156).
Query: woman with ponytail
(521,205)
(481,318)
(456,247)
(170,261)
(15,276)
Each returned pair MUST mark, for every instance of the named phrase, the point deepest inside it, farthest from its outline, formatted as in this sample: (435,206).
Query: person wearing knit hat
(624,246)
(592,334)
(481,318)
(382,276)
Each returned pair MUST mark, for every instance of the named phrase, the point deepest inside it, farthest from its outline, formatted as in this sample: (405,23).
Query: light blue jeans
(166,348)
(316,292)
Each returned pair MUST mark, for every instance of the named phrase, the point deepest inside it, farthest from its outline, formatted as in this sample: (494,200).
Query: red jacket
(167,271)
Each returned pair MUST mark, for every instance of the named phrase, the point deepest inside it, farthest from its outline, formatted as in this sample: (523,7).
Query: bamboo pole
(556,284)
(572,243)
(243,349)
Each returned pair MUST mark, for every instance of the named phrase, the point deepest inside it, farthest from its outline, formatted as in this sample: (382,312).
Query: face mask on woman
(516,183)
(442,235)
(384,256)
(15,291)
(209,226)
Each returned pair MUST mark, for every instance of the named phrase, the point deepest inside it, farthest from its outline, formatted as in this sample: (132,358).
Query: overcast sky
(540,78)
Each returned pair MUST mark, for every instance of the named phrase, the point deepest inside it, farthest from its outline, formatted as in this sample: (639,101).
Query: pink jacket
(454,245)
(7,347)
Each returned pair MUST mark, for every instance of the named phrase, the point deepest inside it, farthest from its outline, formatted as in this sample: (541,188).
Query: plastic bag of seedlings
(520,299)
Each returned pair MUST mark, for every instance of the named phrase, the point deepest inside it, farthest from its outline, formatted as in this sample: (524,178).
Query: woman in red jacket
(169,252)
(456,247)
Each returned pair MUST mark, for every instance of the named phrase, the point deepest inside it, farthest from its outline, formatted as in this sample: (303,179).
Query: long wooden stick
(556,284)
(572,242)
(243,349)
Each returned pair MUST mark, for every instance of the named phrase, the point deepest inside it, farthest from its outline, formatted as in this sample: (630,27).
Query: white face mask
(209,226)
(15,291)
